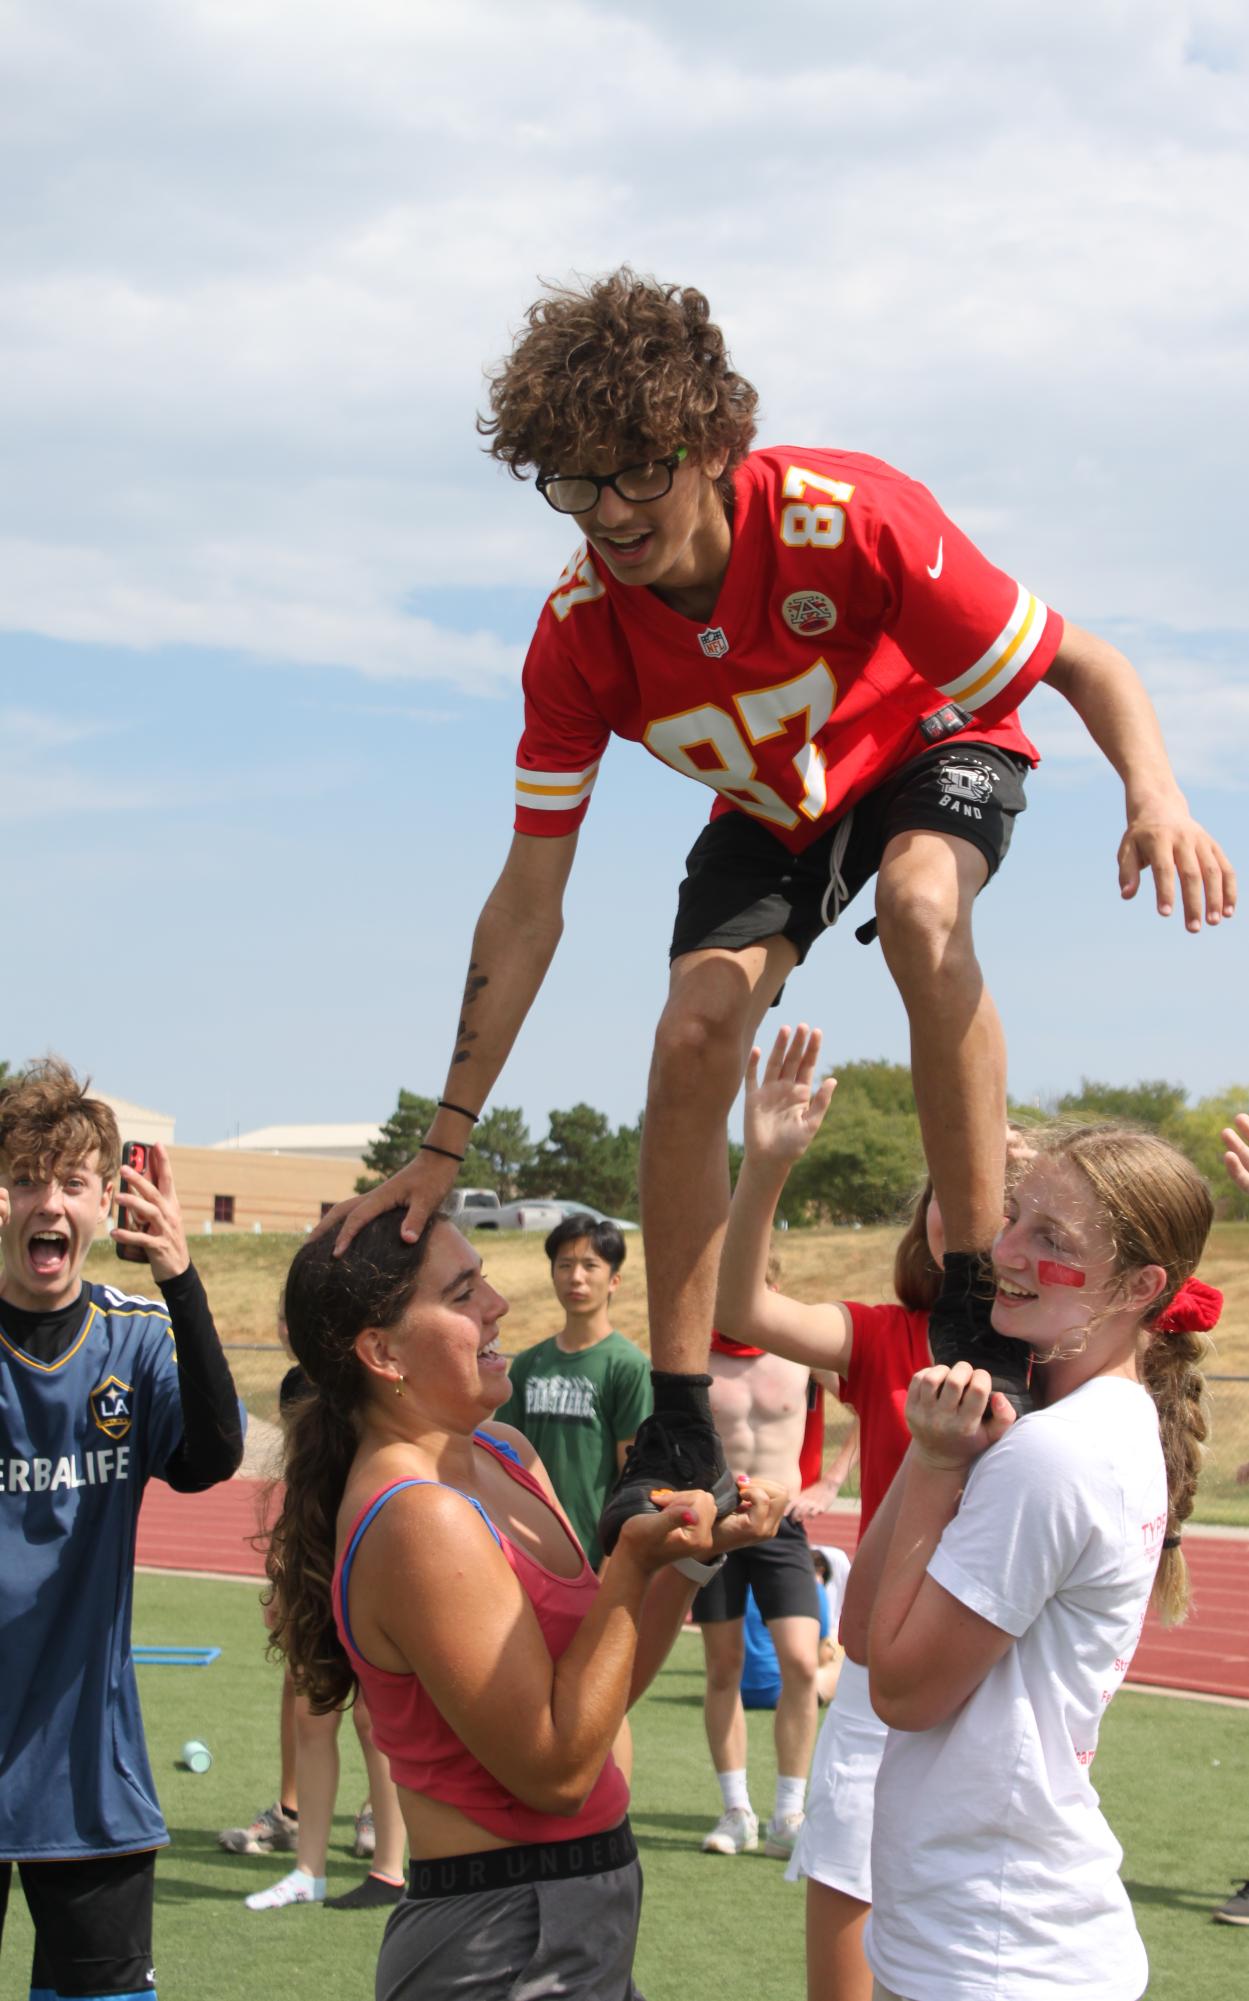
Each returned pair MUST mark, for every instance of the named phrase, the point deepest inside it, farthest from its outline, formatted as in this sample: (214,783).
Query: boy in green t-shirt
(580,1396)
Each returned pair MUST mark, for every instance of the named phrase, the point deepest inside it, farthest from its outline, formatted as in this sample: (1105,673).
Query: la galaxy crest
(110,1407)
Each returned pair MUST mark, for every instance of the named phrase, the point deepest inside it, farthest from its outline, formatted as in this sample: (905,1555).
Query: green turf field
(1174,1778)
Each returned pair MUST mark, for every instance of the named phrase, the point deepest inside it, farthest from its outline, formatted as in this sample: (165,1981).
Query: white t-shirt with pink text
(994,1873)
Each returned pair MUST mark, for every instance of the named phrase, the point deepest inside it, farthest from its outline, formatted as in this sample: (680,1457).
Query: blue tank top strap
(374,1508)
(498,1445)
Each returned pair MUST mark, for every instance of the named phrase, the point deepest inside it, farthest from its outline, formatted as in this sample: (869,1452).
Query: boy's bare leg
(716,1001)
(925,894)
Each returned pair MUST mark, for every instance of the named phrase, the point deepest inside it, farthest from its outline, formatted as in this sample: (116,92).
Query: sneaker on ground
(960,1329)
(735,1833)
(1236,1910)
(271,1831)
(297,1888)
(366,1838)
(374,1894)
(780,1835)
(671,1450)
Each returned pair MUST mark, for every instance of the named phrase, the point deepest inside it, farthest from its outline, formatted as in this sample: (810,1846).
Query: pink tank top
(423,1751)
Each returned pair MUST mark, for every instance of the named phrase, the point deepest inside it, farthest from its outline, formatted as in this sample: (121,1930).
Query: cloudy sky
(263,601)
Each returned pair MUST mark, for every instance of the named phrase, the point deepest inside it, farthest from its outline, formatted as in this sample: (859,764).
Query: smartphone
(138,1154)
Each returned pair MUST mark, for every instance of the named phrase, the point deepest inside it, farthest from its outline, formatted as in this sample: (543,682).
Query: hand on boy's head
(420,1187)
(154,1202)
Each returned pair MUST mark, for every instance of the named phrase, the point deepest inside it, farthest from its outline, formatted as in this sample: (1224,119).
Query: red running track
(1208,1655)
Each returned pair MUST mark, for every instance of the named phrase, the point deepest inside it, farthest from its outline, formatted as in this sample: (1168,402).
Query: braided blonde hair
(1158,1211)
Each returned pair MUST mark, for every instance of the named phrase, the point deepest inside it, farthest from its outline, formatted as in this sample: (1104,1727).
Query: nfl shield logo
(714,642)
(110,1407)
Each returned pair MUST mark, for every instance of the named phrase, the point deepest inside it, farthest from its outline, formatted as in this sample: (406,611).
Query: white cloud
(265,251)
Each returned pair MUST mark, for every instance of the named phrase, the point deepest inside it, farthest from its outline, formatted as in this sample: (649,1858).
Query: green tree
(496,1155)
(1148,1103)
(398,1140)
(1197,1132)
(583,1159)
(867,1158)
(499,1152)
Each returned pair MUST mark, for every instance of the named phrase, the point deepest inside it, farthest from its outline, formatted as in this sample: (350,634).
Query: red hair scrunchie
(1194,1310)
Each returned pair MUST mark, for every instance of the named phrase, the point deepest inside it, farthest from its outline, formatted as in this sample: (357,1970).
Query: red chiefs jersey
(852,613)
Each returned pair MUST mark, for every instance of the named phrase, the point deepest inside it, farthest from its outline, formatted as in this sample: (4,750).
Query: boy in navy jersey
(807,633)
(99,1391)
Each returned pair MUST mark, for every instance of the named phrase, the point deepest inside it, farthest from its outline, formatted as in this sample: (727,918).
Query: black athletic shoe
(1236,1910)
(371,1895)
(960,1329)
(674,1449)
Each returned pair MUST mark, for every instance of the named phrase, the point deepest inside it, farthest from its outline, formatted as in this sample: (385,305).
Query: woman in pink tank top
(421,1556)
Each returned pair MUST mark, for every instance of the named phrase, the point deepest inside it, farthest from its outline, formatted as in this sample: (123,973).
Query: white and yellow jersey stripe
(554,791)
(1014,646)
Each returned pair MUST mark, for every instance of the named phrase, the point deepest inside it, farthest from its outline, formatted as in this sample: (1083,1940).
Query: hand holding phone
(149,1214)
(135,1153)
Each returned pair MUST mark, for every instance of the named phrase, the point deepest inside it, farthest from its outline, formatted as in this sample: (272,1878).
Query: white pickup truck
(467,1207)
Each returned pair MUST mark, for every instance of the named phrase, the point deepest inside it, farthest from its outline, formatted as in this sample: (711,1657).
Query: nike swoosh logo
(934,569)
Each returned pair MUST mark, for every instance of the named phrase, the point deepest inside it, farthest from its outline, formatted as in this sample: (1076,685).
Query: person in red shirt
(808,634)
(875,1351)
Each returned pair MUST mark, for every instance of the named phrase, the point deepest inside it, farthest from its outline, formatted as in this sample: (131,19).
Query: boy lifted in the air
(805,632)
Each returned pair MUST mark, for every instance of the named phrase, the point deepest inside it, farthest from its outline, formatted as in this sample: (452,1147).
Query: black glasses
(577,492)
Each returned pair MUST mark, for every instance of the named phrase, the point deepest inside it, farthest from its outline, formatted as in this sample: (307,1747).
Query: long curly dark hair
(623,362)
(329,1301)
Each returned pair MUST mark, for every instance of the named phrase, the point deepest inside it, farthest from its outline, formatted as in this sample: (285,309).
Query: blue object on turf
(175,1656)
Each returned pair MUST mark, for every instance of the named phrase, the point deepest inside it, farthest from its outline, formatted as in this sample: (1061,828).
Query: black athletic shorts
(93,1924)
(743,885)
(781,1574)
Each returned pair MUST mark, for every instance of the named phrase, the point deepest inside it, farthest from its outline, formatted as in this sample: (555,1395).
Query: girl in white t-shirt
(1009,1573)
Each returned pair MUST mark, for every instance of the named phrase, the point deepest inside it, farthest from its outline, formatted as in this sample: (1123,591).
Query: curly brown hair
(47,1122)
(623,364)
(328,1301)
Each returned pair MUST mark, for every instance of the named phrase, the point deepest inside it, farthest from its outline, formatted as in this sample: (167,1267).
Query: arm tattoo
(464,1034)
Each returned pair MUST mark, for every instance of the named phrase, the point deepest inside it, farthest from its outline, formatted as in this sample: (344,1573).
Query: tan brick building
(276,1178)
(234,1189)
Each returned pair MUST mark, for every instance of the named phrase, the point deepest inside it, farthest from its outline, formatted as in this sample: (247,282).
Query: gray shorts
(573,1939)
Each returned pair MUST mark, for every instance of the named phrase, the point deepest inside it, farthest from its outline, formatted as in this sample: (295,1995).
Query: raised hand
(783,1112)
(1236,1159)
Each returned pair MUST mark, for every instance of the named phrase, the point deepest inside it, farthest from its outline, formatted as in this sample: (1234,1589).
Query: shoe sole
(781,1851)
(720,1848)
(1225,1918)
(636,1500)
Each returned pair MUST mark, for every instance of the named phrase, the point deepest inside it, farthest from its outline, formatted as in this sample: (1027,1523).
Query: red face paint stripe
(1054,1274)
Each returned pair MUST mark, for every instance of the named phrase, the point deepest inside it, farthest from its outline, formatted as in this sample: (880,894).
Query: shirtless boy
(759,1403)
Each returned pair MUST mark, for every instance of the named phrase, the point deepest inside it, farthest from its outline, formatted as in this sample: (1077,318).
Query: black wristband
(427,1146)
(445,1105)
